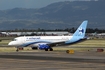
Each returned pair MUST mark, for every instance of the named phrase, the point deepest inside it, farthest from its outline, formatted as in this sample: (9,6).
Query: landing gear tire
(46,49)
(51,49)
(17,50)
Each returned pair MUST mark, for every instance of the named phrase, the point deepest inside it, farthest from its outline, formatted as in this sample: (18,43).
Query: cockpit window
(14,39)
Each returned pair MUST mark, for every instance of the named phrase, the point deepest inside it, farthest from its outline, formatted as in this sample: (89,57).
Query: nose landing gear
(19,49)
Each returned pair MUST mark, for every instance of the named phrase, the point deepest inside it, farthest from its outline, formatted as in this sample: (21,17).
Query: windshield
(14,39)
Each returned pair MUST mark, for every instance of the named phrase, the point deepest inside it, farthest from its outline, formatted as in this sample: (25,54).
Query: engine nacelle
(44,47)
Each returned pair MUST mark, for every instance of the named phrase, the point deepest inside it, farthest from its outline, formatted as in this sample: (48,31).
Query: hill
(58,15)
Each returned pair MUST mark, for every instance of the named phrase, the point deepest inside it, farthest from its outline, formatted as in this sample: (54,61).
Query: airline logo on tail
(81,30)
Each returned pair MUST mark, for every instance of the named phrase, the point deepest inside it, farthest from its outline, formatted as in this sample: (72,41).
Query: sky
(10,4)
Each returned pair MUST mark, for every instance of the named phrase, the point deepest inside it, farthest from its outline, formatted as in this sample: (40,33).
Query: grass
(13,49)
(87,43)
(9,49)
(4,42)
(92,43)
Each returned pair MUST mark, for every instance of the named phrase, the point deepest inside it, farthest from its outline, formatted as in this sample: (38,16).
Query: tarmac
(52,60)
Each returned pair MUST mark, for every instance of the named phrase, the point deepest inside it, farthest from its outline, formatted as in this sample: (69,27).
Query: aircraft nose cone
(10,43)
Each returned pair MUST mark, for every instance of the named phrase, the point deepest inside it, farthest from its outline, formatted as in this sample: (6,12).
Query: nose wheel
(19,49)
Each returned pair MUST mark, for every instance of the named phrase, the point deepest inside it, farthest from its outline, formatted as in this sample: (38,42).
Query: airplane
(48,42)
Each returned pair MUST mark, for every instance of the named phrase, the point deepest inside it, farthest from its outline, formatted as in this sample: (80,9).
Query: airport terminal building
(53,33)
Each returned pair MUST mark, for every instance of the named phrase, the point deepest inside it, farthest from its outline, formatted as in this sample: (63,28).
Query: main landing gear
(47,49)
(50,49)
(17,49)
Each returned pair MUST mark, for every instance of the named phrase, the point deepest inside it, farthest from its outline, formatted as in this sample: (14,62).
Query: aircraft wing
(47,43)
(64,42)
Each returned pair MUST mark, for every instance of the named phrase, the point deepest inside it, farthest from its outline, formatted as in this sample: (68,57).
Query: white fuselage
(39,39)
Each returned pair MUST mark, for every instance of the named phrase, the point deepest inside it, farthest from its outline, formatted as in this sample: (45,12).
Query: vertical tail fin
(81,29)
(79,33)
